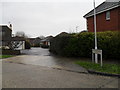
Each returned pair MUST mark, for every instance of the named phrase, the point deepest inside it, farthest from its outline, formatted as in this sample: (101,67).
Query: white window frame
(108,15)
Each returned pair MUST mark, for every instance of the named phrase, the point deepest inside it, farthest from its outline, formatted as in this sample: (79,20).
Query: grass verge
(5,56)
(106,68)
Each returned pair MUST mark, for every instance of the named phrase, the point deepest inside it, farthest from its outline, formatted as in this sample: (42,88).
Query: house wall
(119,19)
(103,24)
(5,35)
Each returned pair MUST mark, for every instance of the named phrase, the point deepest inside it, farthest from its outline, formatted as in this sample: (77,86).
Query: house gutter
(101,11)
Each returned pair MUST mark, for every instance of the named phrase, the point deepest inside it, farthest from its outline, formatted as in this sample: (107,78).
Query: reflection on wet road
(30,70)
(42,57)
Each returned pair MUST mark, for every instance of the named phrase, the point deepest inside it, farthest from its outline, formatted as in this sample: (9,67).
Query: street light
(77,28)
(96,58)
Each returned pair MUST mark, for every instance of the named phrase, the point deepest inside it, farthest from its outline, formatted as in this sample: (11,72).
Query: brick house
(107,16)
(5,35)
(34,41)
(6,38)
(46,41)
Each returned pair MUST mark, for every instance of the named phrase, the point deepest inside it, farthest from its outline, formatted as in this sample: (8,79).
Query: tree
(21,34)
(41,37)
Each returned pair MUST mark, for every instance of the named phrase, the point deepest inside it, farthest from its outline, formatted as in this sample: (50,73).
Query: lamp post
(77,28)
(96,57)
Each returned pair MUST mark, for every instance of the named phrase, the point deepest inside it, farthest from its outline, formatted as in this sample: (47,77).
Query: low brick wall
(10,52)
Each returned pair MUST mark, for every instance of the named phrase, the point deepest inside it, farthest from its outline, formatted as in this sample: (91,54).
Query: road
(31,71)
(42,57)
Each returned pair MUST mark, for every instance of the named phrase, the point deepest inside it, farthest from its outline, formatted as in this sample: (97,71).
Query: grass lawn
(5,56)
(107,68)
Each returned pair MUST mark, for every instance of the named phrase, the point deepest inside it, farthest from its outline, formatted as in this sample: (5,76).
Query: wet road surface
(42,57)
(34,76)
(40,69)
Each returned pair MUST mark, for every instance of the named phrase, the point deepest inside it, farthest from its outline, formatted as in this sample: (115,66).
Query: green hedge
(81,44)
(36,45)
(10,52)
(58,44)
(44,46)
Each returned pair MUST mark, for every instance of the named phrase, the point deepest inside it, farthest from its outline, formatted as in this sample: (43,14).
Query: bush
(58,44)
(44,46)
(10,52)
(27,45)
(109,42)
(81,45)
(4,47)
(36,45)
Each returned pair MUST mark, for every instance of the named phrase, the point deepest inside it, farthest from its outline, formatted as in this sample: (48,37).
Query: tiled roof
(48,38)
(4,27)
(105,6)
(18,38)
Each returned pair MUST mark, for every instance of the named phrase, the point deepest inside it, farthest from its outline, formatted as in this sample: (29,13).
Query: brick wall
(119,19)
(103,24)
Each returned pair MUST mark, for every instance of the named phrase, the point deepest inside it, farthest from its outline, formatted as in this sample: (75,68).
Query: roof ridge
(95,8)
(102,7)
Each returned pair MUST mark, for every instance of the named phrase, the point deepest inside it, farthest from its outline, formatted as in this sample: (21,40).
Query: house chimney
(10,25)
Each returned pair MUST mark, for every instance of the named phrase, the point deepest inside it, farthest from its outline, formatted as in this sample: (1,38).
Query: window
(108,15)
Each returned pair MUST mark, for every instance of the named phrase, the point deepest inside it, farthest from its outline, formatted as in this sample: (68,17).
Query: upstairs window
(108,15)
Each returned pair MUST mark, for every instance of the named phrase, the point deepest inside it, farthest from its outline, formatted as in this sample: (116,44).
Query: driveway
(40,69)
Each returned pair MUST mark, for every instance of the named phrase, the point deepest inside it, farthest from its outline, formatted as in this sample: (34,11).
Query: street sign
(97,51)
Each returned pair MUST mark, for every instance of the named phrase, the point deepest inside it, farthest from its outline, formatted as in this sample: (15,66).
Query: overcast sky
(46,17)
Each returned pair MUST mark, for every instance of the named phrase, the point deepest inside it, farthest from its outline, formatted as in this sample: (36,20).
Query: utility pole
(76,28)
(96,57)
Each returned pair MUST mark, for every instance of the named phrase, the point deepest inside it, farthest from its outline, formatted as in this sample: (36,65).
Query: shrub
(109,42)
(58,44)
(36,45)
(44,46)
(81,44)
(27,45)
(4,47)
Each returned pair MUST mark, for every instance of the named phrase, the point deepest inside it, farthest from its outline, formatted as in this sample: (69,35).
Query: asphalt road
(42,57)
(39,69)
(34,76)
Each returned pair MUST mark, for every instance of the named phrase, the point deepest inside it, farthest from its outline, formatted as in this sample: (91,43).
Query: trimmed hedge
(58,44)
(81,44)
(36,45)
(10,52)
(44,46)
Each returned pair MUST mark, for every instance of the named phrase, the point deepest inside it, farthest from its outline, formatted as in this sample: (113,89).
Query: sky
(45,17)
